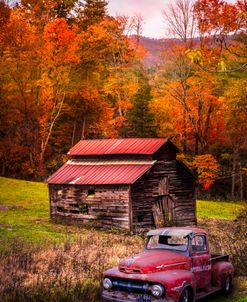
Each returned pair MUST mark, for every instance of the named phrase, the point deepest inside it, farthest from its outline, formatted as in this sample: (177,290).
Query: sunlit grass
(219,209)
(24,214)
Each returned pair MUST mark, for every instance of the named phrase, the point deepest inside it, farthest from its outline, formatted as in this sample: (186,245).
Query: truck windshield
(176,243)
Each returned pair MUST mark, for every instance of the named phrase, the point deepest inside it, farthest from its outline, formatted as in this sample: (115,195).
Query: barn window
(140,218)
(74,211)
(60,209)
(84,209)
(91,193)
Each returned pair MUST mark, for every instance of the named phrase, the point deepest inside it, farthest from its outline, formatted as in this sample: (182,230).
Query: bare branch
(180,20)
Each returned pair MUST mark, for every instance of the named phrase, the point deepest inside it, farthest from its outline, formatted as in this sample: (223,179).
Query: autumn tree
(194,109)
(58,54)
(192,89)
(19,71)
(205,167)
(219,25)
(181,25)
(107,61)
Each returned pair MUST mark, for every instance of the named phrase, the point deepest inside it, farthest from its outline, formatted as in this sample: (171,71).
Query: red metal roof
(146,146)
(88,173)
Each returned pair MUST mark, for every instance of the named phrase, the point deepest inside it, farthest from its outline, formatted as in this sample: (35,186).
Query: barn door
(163,206)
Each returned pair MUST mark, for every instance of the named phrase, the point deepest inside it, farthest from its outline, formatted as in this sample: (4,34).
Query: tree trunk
(234,174)
(83,128)
(3,168)
(207,127)
(184,132)
(241,183)
(198,126)
(73,133)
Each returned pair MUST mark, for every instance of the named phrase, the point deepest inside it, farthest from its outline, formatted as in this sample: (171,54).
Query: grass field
(43,261)
(219,209)
(24,214)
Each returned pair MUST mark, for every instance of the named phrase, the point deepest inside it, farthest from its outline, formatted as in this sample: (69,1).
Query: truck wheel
(227,287)
(184,296)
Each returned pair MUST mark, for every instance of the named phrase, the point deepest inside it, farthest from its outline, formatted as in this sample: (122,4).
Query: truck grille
(131,286)
(130,271)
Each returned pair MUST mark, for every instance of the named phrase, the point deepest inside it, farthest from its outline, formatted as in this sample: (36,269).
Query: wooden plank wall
(145,192)
(109,207)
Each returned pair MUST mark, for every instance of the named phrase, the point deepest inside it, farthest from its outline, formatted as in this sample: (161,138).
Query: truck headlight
(107,283)
(157,290)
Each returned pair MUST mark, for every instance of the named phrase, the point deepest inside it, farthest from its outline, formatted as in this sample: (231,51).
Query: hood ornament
(130,261)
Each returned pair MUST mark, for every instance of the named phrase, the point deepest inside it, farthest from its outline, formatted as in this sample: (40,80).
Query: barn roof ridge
(118,146)
(104,174)
(105,162)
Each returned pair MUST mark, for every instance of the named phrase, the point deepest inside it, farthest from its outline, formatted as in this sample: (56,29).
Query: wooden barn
(135,184)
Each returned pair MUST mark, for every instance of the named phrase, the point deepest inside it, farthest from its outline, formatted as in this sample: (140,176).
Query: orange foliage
(207,170)
(60,45)
(219,23)
(217,15)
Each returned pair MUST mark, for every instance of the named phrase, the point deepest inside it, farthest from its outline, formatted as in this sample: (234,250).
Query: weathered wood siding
(146,191)
(108,207)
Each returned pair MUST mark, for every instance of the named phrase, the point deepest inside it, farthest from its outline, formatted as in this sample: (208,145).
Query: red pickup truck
(176,266)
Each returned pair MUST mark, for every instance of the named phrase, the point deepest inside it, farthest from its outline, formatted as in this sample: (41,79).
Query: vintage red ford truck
(176,266)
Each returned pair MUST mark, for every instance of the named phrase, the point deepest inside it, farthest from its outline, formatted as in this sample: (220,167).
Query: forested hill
(154,48)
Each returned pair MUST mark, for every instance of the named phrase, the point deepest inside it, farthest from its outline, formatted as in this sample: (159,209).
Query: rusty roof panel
(88,174)
(146,146)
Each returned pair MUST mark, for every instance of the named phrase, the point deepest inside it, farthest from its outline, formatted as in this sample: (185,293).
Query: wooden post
(130,213)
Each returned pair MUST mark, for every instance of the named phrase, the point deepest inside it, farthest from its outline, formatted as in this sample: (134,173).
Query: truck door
(200,261)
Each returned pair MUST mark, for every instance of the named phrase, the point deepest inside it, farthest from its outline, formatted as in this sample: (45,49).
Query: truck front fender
(175,281)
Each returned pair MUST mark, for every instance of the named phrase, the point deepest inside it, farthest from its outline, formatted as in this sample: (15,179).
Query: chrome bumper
(118,296)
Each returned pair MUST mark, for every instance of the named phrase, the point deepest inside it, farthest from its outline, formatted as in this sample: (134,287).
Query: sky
(150,10)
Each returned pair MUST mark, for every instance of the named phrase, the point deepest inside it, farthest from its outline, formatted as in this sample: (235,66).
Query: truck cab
(176,266)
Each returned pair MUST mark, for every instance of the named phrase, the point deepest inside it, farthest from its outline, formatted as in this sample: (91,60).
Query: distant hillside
(153,47)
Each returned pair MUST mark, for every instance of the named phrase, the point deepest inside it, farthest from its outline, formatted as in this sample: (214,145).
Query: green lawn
(24,215)
(219,209)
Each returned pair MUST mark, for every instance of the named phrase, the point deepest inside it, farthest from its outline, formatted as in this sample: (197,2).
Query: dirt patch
(6,207)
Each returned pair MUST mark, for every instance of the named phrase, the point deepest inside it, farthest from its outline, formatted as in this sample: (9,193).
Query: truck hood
(153,261)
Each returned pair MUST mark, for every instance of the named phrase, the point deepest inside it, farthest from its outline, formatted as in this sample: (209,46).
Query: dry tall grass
(229,237)
(72,272)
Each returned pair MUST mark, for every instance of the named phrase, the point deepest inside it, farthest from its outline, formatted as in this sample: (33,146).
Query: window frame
(206,244)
